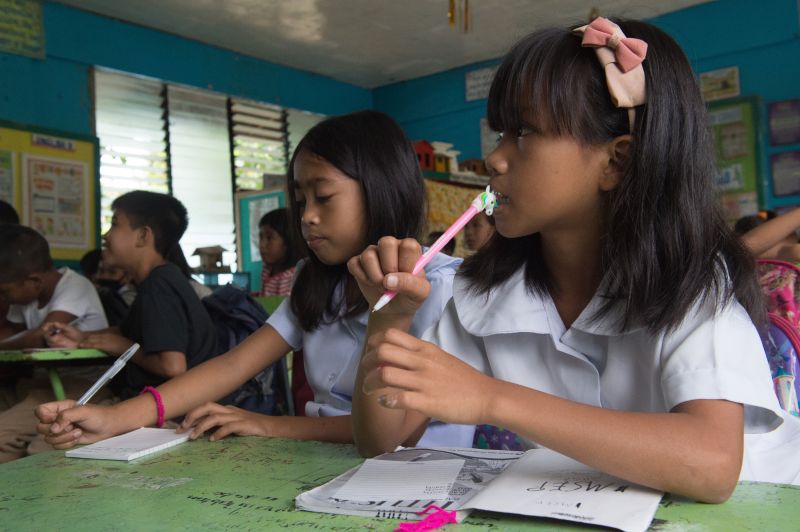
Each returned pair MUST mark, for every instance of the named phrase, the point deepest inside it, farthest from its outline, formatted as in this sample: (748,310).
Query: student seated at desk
(8,215)
(772,238)
(167,318)
(352,179)
(611,317)
(38,292)
(113,285)
(279,253)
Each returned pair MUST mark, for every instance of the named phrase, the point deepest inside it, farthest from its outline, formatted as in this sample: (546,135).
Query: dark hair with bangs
(278,220)
(665,244)
(371,148)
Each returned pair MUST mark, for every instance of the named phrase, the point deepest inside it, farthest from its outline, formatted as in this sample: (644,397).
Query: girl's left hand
(423,377)
(229,419)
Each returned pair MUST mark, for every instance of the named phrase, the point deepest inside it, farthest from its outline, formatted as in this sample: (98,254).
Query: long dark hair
(278,220)
(665,244)
(370,147)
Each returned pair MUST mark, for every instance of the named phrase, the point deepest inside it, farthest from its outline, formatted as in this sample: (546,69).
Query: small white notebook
(130,446)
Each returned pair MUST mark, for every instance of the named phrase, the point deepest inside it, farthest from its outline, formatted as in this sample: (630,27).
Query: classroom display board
(250,207)
(734,125)
(446,202)
(50,178)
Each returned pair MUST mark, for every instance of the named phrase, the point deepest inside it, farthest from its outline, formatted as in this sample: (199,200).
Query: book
(129,446)
(538,482)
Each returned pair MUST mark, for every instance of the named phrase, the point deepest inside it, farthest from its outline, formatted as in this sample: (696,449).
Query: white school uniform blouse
(332,352)
(518,337)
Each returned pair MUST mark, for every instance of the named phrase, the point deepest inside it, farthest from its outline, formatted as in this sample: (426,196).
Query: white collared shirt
(332,352)
(518,337)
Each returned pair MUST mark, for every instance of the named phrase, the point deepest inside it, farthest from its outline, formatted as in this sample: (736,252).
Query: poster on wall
(720,84)
(7,192)
(478,82)
(21,28)
(786,173)
(56,199)
(733,126)
(784,122)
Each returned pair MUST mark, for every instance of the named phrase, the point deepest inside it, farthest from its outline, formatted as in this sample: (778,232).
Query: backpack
(236,316)
(780,284)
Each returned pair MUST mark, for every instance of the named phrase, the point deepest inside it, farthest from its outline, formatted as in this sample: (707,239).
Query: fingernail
(54,428)
(76,435)
(391,281)
(387,401)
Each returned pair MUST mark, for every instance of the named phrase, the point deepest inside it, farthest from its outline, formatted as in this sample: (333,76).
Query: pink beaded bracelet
(159,404)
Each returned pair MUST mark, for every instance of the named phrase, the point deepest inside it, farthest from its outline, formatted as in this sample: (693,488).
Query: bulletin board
(446,202)
(250,207)
(50,177)
(734,126)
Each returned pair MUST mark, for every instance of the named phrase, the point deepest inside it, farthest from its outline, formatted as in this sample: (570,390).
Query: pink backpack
(780,283)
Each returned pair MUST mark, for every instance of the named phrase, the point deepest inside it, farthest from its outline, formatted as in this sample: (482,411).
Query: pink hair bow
(621,58)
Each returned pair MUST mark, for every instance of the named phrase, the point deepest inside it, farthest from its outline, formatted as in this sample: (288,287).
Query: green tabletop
(60,357)
(250,483)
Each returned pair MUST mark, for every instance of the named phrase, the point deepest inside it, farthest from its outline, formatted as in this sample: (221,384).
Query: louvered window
(201,169)
(258,141)
(131,126)
(297,125)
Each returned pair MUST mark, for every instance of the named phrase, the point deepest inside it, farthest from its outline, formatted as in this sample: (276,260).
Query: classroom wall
(55,92)
(762,38)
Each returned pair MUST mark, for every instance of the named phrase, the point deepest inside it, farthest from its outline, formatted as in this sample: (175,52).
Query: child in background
(38,292)
(448,248)
(112,284)
(352,179)
(8,215)
(608,318)
(167,319)
(279,254)
(478,231)
(773,238)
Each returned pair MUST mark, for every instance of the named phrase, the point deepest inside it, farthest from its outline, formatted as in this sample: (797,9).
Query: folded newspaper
(538,482)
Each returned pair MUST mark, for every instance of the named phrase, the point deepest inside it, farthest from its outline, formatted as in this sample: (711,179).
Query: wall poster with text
(57,200)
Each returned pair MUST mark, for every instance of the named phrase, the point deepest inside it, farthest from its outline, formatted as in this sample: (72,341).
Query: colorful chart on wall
(250,207)
(51,180)
(734,126)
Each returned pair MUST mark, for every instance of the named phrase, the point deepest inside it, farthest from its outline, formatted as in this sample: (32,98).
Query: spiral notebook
(134,444)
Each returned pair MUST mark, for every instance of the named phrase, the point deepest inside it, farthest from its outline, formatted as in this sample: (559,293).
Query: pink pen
(486,200)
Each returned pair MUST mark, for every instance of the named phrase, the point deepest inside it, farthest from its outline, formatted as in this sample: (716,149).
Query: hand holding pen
(64,335)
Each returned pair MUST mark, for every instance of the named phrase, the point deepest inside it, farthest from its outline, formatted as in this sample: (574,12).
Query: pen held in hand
(484,201)
(109,374)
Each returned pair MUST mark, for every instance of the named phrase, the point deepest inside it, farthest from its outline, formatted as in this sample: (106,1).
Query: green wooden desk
(53,359)
(250,483)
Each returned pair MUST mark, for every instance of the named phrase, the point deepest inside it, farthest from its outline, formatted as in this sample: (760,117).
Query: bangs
(550,83)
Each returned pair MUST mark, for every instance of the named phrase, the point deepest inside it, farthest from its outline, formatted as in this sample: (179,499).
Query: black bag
(236,316)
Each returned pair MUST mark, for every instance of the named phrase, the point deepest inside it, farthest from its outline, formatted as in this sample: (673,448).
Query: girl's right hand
(64,425)
(62,335)
(388,266)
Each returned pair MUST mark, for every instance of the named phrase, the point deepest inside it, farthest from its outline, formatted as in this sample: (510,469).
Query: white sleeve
(720,356)
(76,295)
(286,323)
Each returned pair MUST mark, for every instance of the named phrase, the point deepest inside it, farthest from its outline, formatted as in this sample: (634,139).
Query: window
(193,143)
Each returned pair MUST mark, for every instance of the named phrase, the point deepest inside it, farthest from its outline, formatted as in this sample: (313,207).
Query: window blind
(258,142)
(131,127)
(297,125)
(200,169)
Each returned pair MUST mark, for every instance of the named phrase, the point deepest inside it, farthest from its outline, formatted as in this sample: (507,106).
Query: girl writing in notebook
(352,180)
(610,317)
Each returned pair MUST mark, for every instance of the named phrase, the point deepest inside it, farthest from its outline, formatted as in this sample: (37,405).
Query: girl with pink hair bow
(611,318)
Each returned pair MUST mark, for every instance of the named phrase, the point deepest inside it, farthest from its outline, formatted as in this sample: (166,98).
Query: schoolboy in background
(167,318)
(38,292)
(8,215)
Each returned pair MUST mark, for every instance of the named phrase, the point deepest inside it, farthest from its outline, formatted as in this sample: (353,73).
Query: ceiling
(365,42)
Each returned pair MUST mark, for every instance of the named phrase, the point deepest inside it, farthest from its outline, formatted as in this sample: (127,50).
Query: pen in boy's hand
(109,374)
(73,323)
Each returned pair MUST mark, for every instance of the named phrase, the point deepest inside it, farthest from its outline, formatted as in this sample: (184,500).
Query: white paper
(548,484)
(382,479)
(135,444)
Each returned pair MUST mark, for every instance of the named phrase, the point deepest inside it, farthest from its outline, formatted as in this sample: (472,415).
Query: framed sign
(784,122)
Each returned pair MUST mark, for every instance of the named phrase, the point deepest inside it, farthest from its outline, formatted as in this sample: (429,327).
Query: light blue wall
(55,92)
(762,38)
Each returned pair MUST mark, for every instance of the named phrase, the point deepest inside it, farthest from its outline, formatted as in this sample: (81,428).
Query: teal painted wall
(55,92)
(762,38)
